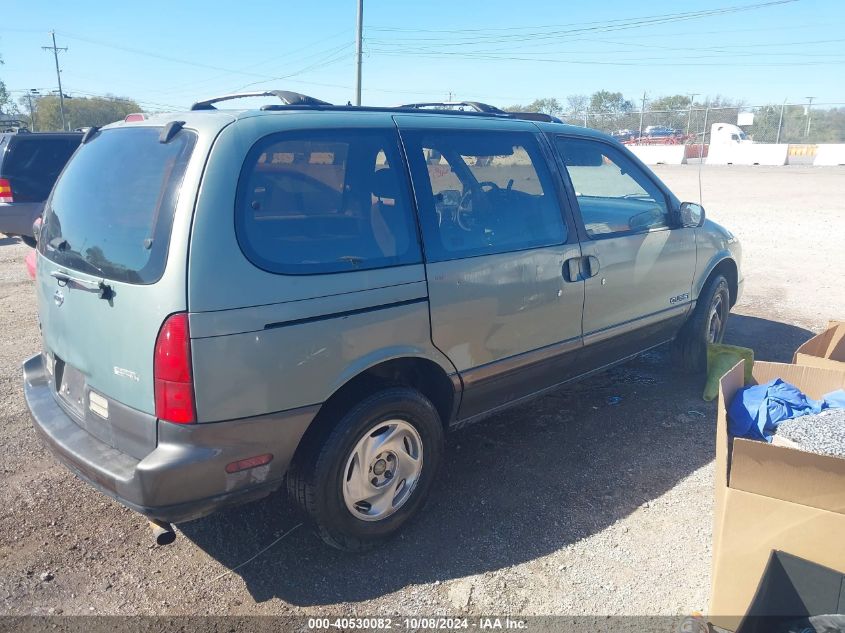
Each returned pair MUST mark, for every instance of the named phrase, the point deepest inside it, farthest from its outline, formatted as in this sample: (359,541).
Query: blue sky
(167,54)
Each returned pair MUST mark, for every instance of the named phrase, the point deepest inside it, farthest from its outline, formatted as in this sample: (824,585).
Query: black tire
(315,479)
(690,347)
(29,241)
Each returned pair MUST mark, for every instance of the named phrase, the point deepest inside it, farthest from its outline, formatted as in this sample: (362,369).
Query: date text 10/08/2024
(416,623)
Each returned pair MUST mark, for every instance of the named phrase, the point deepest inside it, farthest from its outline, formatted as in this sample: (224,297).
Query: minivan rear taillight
(6,191)
(174,383)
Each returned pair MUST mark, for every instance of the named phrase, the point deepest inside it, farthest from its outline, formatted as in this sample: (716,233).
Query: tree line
(611,111)
(604,110)
(80,112)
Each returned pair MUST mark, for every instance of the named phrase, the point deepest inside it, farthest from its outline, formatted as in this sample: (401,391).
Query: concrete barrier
(747,154)
(801,154)
(830,155)
(659,154)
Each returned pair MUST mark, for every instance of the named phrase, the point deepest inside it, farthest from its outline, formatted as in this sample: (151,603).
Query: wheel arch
(724,265)
(418,372)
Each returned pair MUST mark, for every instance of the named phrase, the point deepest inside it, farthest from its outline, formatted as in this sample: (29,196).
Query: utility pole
(33,92)
(809,116)
(642,112)
(780,121)
(359,38)
(692,96)
(56,50)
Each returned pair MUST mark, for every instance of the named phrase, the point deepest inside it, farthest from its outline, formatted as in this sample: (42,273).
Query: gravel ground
(567,505)
(823,433)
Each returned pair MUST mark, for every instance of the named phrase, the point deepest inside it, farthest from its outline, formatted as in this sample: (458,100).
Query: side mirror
(692,214)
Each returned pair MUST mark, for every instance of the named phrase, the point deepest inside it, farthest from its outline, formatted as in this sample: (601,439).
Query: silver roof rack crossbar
(451,105)
(285,96)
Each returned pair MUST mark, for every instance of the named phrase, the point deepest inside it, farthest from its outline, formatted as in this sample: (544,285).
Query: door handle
(581,268)
(572,270)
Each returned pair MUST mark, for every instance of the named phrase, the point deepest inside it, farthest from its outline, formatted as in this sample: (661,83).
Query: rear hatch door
(109,273)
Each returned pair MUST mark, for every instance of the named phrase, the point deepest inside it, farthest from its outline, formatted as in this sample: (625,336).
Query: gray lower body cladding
(185,476)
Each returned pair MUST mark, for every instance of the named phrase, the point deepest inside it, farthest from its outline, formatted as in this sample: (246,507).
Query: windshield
(111,211)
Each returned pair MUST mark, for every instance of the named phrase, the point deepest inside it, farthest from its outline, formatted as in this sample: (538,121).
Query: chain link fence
(784,123)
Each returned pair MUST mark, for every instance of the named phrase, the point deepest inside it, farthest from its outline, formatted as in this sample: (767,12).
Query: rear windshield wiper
(104,290)
(59,244)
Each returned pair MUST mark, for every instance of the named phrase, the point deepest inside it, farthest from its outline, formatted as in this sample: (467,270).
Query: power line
(124,100)
(335,55)
(735,49)
(603,22)
(263,78)
(542,32)
(629,62)
(288,57)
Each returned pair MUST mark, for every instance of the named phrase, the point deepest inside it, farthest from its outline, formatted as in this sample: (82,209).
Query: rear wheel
(706,325)
(372,472)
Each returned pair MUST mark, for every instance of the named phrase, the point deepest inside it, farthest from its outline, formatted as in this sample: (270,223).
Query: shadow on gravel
(6,241)
(770,340)
(515,487)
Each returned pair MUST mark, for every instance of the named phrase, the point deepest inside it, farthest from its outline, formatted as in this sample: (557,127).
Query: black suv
(29,166)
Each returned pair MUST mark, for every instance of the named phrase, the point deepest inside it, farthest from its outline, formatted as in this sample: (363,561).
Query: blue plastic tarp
(756,411)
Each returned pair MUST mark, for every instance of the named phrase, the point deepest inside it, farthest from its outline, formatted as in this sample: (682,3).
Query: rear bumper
(16,218)
(185,476)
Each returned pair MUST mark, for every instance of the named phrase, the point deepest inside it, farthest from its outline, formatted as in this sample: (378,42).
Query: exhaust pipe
(162,532)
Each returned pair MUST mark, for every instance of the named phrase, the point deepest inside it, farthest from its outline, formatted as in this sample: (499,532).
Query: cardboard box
(825,350)
(793,588)
(770,497)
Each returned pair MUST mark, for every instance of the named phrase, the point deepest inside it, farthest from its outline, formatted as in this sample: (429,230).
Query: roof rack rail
(485,108)
(285,96)
(535,116)
(453,105)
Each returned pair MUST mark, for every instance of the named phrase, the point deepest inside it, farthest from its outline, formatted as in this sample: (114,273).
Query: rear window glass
(112,209)
(33,163)
(324,202)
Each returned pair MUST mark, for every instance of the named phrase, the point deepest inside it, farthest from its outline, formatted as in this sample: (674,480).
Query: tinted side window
(615,196)
(33,164)
(483,192)
(326,201)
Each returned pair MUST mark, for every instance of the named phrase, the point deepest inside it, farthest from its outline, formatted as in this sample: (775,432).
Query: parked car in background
(30,162)
(312,295)
(624,135)
(659,131)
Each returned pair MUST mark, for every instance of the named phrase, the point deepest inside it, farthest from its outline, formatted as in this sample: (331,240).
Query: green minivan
(311,296)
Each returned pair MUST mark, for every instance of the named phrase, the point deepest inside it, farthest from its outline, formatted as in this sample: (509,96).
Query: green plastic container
(720,358)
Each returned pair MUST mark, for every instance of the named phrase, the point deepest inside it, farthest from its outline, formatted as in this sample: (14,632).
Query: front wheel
(373,471)
(706,325)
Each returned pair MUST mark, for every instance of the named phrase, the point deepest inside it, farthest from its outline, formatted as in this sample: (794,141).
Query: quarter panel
(285,367)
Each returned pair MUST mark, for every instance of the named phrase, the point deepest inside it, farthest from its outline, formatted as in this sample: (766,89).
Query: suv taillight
(6,191)
(174,383)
